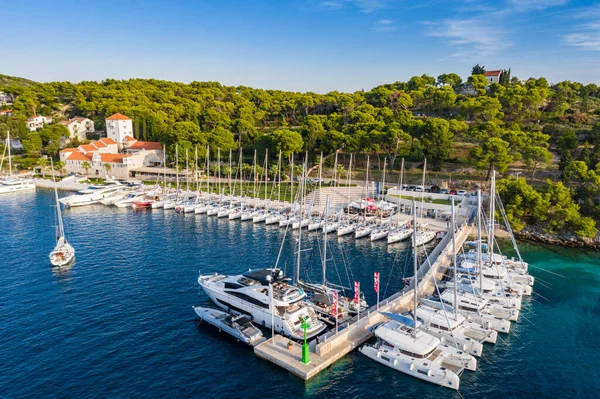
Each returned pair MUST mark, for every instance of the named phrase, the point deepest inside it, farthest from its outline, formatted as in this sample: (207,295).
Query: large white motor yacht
(93,194)
(248,293)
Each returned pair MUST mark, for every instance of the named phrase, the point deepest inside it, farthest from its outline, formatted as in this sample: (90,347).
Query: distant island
(544,139)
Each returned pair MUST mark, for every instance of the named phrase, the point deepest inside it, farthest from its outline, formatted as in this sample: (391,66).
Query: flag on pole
(356,292)
(376,281)
(335,304)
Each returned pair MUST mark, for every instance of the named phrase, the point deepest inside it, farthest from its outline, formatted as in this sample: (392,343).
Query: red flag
(356,292)
(335,304)
(376,281)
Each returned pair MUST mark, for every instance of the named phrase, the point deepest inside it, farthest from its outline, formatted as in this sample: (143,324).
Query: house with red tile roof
(6,112)
(493,76)
(79,127)
(122,152)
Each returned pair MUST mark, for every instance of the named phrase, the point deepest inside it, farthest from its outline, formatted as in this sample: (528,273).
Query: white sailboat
(12,184)
(63,252)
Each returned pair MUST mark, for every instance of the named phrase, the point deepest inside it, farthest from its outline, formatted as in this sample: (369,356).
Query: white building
(118,127)
(6,98)
(38,122)
(493,76)
(6,112)
(106,151)
(79,127)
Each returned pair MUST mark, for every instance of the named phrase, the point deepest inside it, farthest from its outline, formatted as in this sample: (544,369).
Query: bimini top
(261,276)
(399,318)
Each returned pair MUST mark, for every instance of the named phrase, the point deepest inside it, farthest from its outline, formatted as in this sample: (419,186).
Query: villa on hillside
(120,150)
(6,98)
(6,112)
(79,127)
(38,122)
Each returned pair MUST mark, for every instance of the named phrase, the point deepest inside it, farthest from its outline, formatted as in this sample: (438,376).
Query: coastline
(563,240)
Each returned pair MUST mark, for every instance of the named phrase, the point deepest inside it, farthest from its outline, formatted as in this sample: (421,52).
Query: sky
(298,45)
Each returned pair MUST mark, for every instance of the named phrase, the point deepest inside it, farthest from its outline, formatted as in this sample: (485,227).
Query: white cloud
(365,6)
(383,25)
(473,37)
(527,5)
(587,38)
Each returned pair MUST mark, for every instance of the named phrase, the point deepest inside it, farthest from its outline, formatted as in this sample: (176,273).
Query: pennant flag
(376,281)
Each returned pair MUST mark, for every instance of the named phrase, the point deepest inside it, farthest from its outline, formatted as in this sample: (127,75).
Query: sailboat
(423,236)
(63,252)
(404,346)
(11,184)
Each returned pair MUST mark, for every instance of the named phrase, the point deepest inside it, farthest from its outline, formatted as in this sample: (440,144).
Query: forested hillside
(530,124)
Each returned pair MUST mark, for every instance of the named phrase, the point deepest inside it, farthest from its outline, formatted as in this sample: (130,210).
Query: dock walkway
(336,345)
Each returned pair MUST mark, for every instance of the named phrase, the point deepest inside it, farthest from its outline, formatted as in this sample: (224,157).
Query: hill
(6,80)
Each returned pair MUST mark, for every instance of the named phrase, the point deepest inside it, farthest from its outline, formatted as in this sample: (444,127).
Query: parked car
(443,191)
(412,188)
(435,189)
(461,192)
(419,189)
(452,192)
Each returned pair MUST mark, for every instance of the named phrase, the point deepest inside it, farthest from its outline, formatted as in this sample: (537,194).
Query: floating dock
(354,333)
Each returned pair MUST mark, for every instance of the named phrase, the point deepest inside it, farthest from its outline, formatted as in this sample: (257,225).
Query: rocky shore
(536,234)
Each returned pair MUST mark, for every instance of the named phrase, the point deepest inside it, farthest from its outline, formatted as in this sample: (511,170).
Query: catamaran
(12,184)
(63,253)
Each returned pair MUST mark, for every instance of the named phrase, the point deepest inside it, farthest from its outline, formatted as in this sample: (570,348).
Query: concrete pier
(336,345)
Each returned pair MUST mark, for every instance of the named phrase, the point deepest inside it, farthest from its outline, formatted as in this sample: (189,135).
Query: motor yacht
(248,294)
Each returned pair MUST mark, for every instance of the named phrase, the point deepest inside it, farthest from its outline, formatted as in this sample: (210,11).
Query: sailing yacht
(248,293)
(63,252)
(12,184)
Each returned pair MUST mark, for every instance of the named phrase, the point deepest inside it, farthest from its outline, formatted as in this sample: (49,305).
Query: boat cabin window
(415,355)
(233,285)
(248,298)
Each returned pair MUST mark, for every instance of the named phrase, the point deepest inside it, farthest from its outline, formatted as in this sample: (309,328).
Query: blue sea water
(119,323)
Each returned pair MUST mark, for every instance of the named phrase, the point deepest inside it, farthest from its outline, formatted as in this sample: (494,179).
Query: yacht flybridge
(248,294)
(12,184)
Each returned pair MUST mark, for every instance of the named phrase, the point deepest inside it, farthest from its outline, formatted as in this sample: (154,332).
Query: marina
(196,237)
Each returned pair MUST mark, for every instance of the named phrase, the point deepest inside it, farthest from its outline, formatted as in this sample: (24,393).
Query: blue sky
(300,45)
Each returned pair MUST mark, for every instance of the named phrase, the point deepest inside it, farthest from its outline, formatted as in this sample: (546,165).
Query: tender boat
(238,326)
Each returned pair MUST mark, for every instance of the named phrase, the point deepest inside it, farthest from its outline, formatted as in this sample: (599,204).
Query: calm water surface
(119,323)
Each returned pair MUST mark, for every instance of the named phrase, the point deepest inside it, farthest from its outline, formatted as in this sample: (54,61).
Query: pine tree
(566,159)
(585,154)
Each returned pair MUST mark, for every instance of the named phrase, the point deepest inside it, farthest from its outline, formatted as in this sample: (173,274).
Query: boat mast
(9,158)
(240,162)
(423,188)
(401,175)
(320,178)
(452,225)
(415,267)
(208,172)
(491,216)
(325,243)
(187,172)
(61,229)
(230,166)
(279,182)
(367,185)
(165,169)
(266,170)
(196,173)
(177,171)
(301,183)
(479,238)
(383,184)
(219,170)
(348,185)
(335,169)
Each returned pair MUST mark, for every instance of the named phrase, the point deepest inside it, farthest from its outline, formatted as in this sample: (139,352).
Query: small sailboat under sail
(63,252)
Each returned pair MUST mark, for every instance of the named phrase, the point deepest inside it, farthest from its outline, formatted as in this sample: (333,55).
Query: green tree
(33,144)
(436,139)
(478,70)
(86,165)
(535,155)
(287,141)
(107,168)
(493,154)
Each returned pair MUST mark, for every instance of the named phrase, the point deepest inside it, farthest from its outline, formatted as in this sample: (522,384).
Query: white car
(461,192)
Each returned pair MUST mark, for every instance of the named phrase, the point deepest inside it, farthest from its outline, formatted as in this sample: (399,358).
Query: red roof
(129,138)
(115,158)
(145,145)
(79,156)
(88,147)
(118,117)
(98,144)
(6,111)
(108,141)
(68,149)
(493,73)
